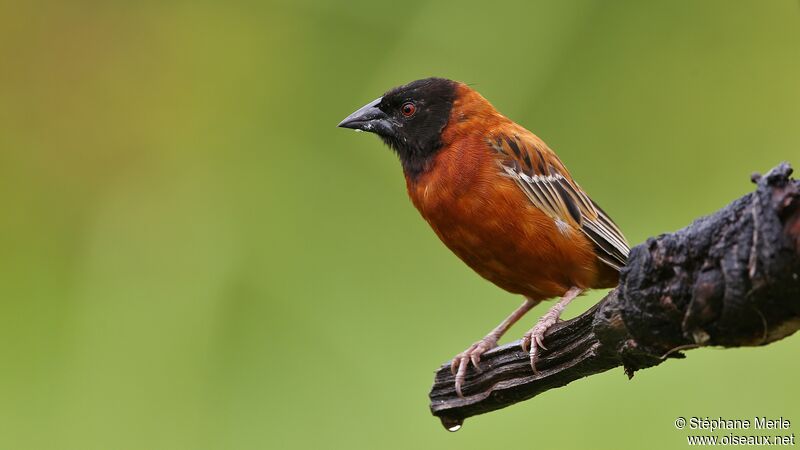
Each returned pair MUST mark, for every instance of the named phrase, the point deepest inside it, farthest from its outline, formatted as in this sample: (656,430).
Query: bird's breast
(488,222)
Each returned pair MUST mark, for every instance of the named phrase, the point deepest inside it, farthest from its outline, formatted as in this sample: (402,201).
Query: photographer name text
(719,423)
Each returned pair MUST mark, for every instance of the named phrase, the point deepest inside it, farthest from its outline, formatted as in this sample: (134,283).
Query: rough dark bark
(730,279)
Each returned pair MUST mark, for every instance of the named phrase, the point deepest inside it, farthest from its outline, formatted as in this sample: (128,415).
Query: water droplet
(452,423)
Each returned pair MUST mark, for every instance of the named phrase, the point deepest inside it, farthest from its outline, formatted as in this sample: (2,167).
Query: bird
(500,199)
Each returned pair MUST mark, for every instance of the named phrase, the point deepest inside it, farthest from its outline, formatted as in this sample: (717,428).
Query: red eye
(408,109)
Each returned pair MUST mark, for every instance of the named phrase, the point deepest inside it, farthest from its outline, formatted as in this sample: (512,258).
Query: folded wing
(549,186)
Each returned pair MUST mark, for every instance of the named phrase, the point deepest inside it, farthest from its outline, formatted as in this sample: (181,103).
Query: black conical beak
(369,118)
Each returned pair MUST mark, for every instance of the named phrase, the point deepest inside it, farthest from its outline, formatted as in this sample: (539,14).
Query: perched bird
(499,198)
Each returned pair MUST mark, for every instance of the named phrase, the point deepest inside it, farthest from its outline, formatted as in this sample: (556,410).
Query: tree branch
(730,279)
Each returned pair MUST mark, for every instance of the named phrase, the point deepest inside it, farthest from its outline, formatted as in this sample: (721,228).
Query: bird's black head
(409,119)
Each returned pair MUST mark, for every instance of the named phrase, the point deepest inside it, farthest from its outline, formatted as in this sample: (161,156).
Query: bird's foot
(534,339)
(473,354)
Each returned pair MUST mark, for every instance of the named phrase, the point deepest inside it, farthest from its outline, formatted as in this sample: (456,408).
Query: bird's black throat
(415,160)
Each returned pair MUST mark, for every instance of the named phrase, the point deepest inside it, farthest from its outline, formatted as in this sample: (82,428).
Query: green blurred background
(195,257)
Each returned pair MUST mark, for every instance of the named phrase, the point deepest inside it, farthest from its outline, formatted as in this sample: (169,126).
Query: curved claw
(476,360)
(534,354)
(534,340)
(540,342)
(461,375)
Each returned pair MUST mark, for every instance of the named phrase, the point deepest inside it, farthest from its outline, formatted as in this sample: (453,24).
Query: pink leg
(535,337)
(474,352)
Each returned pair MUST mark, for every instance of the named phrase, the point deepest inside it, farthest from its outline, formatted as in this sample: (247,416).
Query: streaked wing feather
(548,185)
